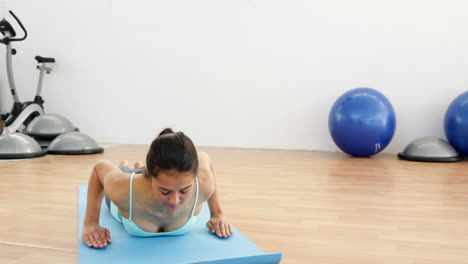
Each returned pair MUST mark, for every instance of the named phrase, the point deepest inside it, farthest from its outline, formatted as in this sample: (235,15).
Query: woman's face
(172,188)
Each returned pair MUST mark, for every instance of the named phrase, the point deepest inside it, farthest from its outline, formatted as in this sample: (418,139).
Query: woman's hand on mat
(219,224)
(96,236)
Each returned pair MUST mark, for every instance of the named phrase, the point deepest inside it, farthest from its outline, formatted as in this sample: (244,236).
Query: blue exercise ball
(456,123)
(362,122)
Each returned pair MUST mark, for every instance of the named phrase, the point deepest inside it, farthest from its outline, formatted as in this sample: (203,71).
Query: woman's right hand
(95,236)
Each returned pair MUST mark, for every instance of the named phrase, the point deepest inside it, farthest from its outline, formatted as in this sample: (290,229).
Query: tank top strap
(196,197)
(130,199)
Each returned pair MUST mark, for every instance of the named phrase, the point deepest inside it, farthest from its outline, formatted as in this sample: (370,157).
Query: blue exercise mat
(197,246)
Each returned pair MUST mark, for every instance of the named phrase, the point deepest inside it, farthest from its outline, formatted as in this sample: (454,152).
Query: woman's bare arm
(105,177)
(218,223)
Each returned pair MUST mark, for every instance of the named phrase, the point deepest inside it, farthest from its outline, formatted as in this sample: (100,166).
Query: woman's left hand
(219,224)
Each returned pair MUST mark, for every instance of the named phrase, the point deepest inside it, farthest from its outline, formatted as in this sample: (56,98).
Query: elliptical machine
(26,131)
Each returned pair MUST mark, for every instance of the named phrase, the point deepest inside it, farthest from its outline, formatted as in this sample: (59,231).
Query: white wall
(244,73)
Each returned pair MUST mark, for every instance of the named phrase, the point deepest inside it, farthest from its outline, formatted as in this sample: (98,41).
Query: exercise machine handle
(22,27)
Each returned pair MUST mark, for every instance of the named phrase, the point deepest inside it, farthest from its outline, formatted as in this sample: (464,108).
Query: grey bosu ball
(19,146)
(430,149)
(74,143)
(49,126)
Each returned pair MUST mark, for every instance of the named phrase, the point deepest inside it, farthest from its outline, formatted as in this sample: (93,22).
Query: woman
(164,200)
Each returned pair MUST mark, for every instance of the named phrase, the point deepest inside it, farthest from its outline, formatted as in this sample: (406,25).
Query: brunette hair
(171,151)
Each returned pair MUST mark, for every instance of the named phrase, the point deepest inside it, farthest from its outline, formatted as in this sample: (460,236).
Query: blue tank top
(134,230)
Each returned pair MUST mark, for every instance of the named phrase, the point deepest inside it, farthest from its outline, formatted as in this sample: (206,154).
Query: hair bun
(166,131)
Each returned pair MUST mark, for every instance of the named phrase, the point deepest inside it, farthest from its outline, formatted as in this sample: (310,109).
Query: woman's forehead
(174,181)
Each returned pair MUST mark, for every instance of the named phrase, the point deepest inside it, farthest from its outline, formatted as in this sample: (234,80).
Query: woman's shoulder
(205,175)
(204,166)
(115,182)
(111,173)
(203,158)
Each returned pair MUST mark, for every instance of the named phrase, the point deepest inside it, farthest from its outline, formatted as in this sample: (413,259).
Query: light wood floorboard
(20,254)
(315,207)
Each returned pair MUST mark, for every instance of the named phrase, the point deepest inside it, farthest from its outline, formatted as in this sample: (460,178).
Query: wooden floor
(315,207)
